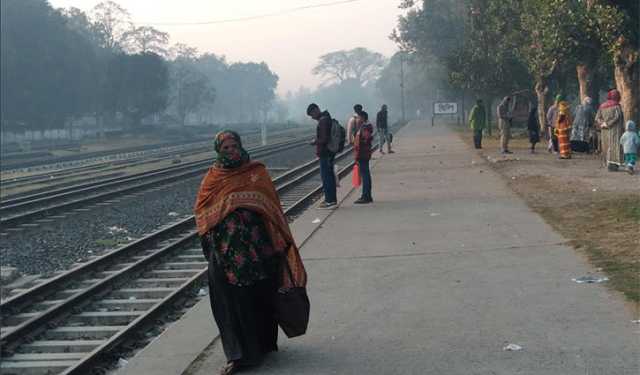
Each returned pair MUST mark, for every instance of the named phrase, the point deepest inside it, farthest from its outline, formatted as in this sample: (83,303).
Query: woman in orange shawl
(246,240)
(563,129)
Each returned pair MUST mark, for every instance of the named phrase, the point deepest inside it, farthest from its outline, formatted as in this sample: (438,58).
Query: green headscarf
(559,98)
(226,160)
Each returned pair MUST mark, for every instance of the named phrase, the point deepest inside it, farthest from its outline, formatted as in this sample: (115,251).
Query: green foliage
(238,92)
(58,65)
(492,46)
(138,85)
(46,70)
(473,40)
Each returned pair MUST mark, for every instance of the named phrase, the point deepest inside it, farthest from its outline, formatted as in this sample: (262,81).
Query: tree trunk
(542,89)
(627,74)
(586,80)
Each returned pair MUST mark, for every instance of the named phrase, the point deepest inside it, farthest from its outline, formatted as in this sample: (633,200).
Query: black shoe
(363,201)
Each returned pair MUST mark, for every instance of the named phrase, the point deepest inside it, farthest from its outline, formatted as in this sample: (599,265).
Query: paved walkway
(445,269)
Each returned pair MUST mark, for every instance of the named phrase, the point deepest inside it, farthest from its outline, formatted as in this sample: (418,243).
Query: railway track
(70,324)
(86,166)
(26,209)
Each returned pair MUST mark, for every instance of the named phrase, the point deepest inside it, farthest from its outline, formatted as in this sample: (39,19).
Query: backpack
(337,138)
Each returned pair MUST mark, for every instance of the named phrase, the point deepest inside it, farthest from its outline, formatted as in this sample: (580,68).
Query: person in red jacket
(362,147)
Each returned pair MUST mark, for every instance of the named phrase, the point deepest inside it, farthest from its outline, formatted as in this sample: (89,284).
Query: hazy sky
(289,43)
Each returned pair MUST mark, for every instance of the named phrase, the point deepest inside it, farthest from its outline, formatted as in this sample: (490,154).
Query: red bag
(355,177)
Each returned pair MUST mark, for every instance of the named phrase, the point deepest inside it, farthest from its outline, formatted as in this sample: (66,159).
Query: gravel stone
(56,246)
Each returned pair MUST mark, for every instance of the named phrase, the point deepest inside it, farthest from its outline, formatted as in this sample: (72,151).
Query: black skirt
(534,136)
(579,146)
(244,315)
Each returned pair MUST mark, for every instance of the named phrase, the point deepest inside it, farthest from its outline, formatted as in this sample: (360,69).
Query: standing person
(352,123)
(383,130)
(247,242)
(610,120)
(323,135)
(362,145)
(552,114)
(477,122)
(533,128)
(581,132)
(630,145)
(504,124)
(563,130)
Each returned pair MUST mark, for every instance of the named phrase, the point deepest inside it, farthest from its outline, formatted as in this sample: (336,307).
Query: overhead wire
(250,18)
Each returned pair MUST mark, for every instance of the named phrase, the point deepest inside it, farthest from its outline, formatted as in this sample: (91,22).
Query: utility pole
(402,86)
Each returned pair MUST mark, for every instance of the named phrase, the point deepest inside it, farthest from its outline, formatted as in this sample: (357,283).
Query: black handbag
(292,309)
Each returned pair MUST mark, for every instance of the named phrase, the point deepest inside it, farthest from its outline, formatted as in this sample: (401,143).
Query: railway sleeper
(193,252)
(65,294)
(60,346)
(141,293)
(44,305)
(17,319)
(20,357)
(82,333)
(158,282)
(127,304)
(102,318)
(36,367)
(118,267)
(195,266)
(191,257)
(169,274)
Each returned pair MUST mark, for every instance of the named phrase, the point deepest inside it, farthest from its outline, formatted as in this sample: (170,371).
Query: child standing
(630,144)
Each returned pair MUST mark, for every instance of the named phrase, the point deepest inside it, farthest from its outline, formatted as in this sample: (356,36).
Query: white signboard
(445,108)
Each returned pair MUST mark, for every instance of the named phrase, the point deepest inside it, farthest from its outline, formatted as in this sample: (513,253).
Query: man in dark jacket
(323,136)
(383,129)
(362,150)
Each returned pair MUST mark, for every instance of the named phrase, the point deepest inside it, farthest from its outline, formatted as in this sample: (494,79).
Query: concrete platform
(444,270)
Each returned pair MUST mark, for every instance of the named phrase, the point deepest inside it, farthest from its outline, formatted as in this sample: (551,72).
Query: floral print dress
(240,244)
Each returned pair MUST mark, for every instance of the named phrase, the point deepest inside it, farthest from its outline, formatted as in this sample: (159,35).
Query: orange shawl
(249,186)
(563,120)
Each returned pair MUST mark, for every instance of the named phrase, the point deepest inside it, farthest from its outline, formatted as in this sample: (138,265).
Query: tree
(138,85)
(183,51)
(46,70)
(618,26)
(111,22)
(424,80)
(358,64)
(146,39)
(254,89)
(195,90)
(190,87)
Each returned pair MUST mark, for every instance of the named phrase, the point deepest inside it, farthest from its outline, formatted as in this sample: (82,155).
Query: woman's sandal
(229,369)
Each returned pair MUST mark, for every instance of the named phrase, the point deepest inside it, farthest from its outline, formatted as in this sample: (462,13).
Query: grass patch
(605,230)
(632,210)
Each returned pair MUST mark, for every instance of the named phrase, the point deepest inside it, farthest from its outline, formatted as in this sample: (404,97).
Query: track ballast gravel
(56,245)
